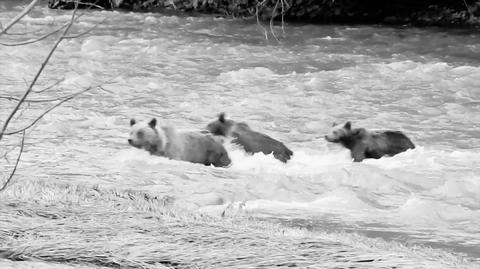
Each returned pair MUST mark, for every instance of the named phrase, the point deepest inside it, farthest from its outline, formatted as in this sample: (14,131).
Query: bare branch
(102,88)
(66,98)
(12,173)
(16,112)
(92,5)
(7,97)
(22,33)
(11,98)
(22,14)
(87,31)
(283,14)
(260,24)
(47,111)
(39,72)
(44,36)
(35,39)
(49,87)
(271,20)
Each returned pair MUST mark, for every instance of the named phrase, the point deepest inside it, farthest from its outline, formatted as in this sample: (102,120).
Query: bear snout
(132,143)
(331,139)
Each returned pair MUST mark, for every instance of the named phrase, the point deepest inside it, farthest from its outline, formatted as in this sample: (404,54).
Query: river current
(186,70)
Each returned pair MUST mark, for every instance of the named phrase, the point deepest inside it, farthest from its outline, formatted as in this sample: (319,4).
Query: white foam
(246,75)
(133,156)
(91,45)
(79,80)
(150,20)
(420,210)
(463,190)
(43,20)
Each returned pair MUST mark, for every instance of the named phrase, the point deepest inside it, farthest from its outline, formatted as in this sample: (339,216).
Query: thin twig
(11,98)
(47,111)
(22,33)
(44,63)
(24,12)
(35,39)
(49,87)
(87,31)
(468,8)
(102,88)
(12,173)
(7,151)
(271,20)
(66,98)
(7,97)
(92,5)
(44,36)
(283,14)
(265,32)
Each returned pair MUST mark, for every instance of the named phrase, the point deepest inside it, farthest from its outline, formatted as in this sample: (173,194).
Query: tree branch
(12,173)
(87,31)
(47,111)
(90,5)
(49,87)
(30,41)
(10,98)
(265,32)
(271,20)
(44,63)
(35,39)
(22,14)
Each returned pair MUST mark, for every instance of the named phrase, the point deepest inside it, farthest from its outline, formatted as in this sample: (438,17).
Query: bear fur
(250,140)
(184,146)
(365,144)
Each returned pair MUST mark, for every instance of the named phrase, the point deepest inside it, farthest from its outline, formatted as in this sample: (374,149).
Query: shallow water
(184,71)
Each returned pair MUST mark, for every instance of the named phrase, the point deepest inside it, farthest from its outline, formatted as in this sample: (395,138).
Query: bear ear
(359,131)
(152,123)
(334,124)
(221,117)
(132,122)
(348,125)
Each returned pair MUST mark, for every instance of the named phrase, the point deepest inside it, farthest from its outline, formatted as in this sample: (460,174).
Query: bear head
(339,132)
(221,126)
(145,135)
(342,133)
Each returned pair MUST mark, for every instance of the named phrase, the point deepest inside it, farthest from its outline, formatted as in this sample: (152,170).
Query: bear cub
(177,145)
(250,140)
(365,144)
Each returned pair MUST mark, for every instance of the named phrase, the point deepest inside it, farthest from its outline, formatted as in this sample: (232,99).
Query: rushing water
(184,71)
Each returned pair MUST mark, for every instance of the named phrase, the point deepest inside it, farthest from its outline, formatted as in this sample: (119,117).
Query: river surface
(186,70)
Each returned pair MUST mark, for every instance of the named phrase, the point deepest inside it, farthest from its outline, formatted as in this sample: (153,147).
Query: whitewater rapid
(185,70)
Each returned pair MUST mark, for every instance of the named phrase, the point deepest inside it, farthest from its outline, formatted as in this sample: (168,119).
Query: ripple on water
(377,77)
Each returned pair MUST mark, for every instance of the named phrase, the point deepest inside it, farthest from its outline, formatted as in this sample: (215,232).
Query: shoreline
(122,228)
(409,14)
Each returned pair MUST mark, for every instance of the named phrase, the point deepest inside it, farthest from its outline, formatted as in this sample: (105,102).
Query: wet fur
(364,144)
(185,146)
(249,139)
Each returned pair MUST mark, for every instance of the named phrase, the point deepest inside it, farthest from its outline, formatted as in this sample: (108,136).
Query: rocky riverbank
(410,12)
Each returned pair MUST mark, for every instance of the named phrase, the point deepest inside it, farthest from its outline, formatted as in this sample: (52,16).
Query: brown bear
(250,140)
(185,146)
(364,144)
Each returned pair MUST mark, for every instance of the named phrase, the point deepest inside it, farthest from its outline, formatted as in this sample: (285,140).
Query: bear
(250,140)
(365,144)
(178,145)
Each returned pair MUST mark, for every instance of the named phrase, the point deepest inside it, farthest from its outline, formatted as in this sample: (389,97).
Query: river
(186,70)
